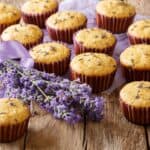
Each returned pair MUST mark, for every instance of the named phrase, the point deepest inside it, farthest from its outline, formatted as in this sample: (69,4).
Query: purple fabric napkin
(15,50)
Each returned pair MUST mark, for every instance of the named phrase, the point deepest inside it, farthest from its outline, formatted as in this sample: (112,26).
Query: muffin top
(140,29)
(8,13)
(39,6)
(136,57)
(136,94)
(23,33)
(95,38)
(13,111)
(49,52)
(66,19)
(115,8)
(93,64)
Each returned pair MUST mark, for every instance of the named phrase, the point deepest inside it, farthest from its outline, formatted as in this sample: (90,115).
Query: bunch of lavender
(67,100)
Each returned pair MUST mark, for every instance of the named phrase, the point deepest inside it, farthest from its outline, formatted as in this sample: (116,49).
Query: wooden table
(114,132)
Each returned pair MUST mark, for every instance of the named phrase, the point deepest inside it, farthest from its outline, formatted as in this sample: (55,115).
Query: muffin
(94,40)
(9,15)
(135,62)
(52,57)
(62,25)
(37,11)
(139,32)
(14,117)
(95,69)
(114,15)
(135,102)
(27,34)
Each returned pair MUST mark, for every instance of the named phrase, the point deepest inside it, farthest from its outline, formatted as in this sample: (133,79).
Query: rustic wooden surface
(114,132)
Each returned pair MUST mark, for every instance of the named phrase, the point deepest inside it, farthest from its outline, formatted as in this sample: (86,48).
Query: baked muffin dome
(93,64)
(53,57)
(9,15)
(95,69)
(136,94)
(37,11)
(94,40)
(140,29)
(49,52)
(14,117)
(137,57)
(66,20)
(139,32)
(135,62)
(135,100)
(39,6)
(62,25)
(12,111)
(115,8)
(27,34)
(114,15)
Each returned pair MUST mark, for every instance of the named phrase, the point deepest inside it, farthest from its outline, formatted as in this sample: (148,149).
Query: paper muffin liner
(80,48)
(4,26)
(97,83)
(59,67)
(136,115)
(65,35)
(135,75)
(113,24)
(38,19)
(11,133)
(137,40)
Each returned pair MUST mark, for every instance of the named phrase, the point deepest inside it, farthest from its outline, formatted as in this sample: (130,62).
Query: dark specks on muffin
(16,30)
(52,48)
(146,26)
(80,59)
(96,36)
(132,61)
(99,64)
(3,113)
(140,85)
(12,104)
(103,36)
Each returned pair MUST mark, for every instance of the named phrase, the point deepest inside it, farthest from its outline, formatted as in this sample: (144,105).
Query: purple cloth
(15,50)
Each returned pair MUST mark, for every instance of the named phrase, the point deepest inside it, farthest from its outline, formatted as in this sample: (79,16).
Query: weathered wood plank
(17,145)
(148,136)
(114,132)
(47,133)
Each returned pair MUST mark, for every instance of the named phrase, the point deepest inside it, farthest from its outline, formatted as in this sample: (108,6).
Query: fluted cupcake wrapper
(136,40)
(59,67)
(11,133)
(80,48)
(113,24)
(65,35)
(4,26)
(136,115)
(37,19)
(97,83)
(135,75)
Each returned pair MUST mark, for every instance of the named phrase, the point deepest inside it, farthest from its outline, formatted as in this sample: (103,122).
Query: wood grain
(114,132)
(47,133)
(148,136)
(17,145)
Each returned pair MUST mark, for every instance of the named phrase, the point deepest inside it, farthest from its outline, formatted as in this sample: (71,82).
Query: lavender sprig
(67,100)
